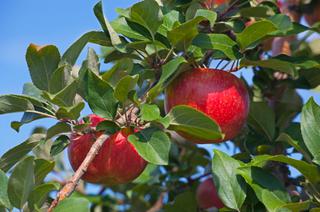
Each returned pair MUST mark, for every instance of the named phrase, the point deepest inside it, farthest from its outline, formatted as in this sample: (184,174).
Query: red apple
(208,4)
(117,162)
(207,196)
(219,94)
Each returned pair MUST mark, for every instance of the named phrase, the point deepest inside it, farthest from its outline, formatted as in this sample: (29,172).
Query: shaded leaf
(124,86)
(42,168)
(4,199)
(40,193)
(59,145)
(73,204)
(21,182)
(13,103)
(149,112)
(60,127)
(109,127)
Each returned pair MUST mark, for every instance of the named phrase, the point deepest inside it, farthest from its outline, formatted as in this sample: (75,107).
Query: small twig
(70,186)
(158,204)
(219,63)
(41,113)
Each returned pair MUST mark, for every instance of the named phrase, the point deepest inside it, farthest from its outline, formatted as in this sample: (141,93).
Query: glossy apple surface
(207,196)
(219,94)
(117,161)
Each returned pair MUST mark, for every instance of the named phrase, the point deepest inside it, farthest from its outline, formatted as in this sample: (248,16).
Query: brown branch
(158,204)
(73,182)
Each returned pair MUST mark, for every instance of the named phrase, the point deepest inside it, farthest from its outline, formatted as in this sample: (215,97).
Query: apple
(207,196)
(117,162)
(208,4)
(219,94)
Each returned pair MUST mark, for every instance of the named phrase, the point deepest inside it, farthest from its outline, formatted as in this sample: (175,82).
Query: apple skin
(207,196)
(217,93)
(117,162)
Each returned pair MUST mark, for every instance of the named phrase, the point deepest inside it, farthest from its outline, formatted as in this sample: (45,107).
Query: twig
(70,186)
(158,204)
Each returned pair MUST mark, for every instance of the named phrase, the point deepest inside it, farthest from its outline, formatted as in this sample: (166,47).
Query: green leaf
(310,123)
(230,187)
(11,157)
(300,147)
(65,97)
(282,22)
(42,62)
(73,204)
(13,103)
(130,29)
(149,112)
(59,145)
(194,123)
(185,202)
(259,12)
(273,63)
(42,168)
(60,127)
(26,118)
(262,119)
(152,145)
(182,35)
(120,69)
(21,182)
(107,28)
(60,78)
(147,13)
(40,193)
(267,187)
(310,171)
(124,86)
(210,15)
(109,127)
(169,21)
(100,96)
(4,199)
(254,33)
(30,89)
(72,112)
(168,70)
(295,206)
(219,42)
(71,55)
(92,61)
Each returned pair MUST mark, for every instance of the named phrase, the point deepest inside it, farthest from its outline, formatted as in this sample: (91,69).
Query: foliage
(147,46)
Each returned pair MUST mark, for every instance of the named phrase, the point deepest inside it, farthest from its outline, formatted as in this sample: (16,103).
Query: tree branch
(158,204)
(73,182)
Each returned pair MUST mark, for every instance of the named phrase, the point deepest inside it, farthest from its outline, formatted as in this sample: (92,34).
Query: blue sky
(58,22)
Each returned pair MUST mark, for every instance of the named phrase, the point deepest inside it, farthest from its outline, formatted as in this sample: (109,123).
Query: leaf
(71,55)
(295,206)
(310,123)
(273,63)
(60,127)
(182,35)
(11,157)
(59,145)
(219,42)
(259,12)
(72,112)
(194,123)
(109,127)
(152,145)
(100,96)
(120,69)
(230,187)
(4,199)
(124,86)
(147,13)
(30,89)
(185,202)
(262,119)
(169,20)
(26,118)
(149,112)
(42,62)
(42,168)
(92,61)
(310,171)
(282,22)
(283,137)
(21,182)
(73,204)
(13,103)
(130,29)
(60,78)
(267,187)
(65,97)
(254,33)
(210,15)
(40,193)
(107,28)
(168,70)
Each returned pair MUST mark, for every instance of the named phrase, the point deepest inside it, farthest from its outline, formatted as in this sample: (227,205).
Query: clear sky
(58,22)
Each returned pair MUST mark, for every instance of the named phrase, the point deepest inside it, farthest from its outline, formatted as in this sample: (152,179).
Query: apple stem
(70,186)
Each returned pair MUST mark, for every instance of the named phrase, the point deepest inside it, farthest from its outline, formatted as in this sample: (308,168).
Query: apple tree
(170,87)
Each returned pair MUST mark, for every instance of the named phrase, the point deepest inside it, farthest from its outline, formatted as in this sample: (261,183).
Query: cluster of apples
(217,93)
